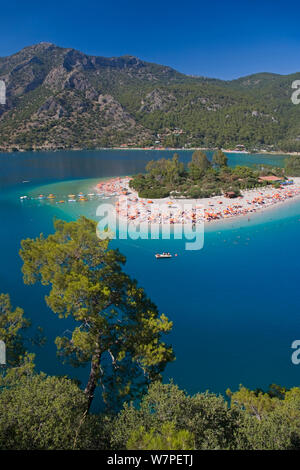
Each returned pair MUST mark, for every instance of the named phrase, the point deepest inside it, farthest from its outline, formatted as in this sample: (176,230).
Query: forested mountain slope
(62,98)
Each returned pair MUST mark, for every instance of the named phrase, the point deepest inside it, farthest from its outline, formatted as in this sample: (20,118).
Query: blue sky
(223,39)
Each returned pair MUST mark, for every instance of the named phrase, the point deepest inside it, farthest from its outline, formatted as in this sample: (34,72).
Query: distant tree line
(292,165)
(202,178)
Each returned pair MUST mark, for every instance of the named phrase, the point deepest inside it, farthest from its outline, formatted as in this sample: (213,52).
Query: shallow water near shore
(234,303)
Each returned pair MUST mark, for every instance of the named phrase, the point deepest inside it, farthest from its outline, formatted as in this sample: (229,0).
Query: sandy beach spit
(182,211)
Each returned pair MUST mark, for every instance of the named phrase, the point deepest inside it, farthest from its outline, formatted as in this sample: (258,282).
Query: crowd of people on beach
(180,211)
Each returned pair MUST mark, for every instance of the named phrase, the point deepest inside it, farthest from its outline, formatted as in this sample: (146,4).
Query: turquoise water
(234,303)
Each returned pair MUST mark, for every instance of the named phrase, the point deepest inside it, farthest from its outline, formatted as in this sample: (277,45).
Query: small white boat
(163,255)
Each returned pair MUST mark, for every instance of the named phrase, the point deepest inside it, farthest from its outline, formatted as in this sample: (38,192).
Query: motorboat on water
(163,255)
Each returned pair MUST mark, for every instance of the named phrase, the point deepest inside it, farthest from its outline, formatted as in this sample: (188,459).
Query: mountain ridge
(63,98)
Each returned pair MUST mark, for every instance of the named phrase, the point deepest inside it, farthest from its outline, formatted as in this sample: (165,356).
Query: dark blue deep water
(234,304)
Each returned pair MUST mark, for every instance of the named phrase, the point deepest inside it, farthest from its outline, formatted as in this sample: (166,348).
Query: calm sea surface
(234,304)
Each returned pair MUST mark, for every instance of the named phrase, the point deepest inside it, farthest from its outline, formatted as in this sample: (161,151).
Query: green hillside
(62,98)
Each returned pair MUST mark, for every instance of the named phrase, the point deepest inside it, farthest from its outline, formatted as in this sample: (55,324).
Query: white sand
(171,210)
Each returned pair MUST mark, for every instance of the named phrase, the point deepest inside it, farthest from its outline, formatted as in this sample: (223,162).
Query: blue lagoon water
(234,304)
